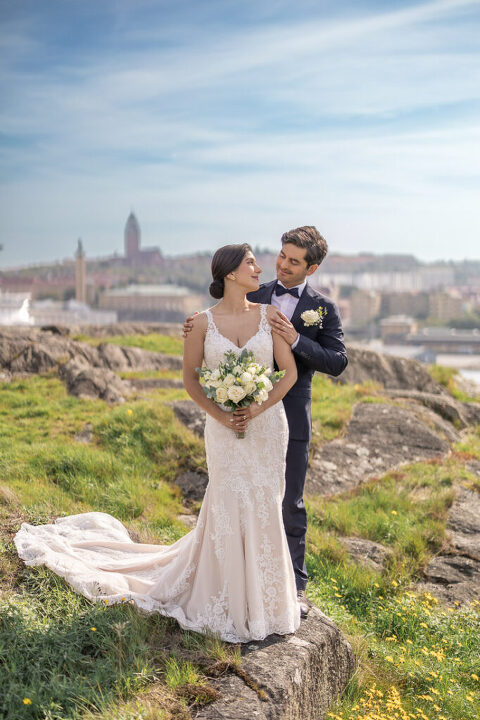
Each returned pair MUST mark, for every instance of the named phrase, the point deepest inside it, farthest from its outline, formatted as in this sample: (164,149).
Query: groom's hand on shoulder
(187,325)
(283,327)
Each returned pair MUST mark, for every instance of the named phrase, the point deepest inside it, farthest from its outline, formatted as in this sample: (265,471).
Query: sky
(221,121)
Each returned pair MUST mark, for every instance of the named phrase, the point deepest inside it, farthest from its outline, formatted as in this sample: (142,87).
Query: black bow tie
(280,290)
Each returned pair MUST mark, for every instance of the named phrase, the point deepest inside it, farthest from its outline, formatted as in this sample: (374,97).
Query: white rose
(229,380)
(237,370)
(310,317)
(214,383)
(236,393)
(253,368)
(245,378)
(267,385)
(249,388)
(261,396)
(221,395)
(268,371)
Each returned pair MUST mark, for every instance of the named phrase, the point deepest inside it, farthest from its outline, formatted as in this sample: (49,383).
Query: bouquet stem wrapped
(238,381)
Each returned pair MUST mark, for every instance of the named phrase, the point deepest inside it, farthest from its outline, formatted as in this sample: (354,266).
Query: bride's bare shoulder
(200,322)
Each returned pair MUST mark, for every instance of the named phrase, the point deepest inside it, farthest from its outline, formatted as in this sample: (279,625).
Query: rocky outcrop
(366,552)
(85,381)
(287,677)
(378,438)
(460,414)
(88,371)
(388,370)
(454,574)
(190,415)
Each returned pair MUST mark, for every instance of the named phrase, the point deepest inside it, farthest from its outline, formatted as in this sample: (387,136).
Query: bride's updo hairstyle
(225,260)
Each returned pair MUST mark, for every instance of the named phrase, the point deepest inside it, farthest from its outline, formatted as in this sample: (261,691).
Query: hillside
(393,543)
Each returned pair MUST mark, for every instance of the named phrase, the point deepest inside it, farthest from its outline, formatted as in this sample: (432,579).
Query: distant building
(80,275)
(169,303)
(444,306)
(134,255)
(414,304)
(364,307)
(394,329)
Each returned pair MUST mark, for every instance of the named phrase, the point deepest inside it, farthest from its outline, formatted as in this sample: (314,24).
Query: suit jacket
(320,349)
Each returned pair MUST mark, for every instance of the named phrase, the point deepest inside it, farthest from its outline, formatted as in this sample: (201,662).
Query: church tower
(80,274)
(132,238)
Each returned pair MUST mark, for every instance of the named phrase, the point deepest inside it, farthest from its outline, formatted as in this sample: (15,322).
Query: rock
(56,329)
(366,552)
(89,382)
(193,485)
(458,413)
(378,438)
(464,523)
(455,575)
(5,376)
(300,675)
(390,371)
(32,350)
(190,415)
(452,578)
(85,435)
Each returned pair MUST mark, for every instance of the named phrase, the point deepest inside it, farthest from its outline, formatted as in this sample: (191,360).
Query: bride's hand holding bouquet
(241,384)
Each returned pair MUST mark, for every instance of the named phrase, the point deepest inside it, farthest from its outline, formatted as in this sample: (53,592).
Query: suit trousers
(294,513)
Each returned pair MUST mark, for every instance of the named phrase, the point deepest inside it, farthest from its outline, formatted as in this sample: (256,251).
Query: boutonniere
(314,317)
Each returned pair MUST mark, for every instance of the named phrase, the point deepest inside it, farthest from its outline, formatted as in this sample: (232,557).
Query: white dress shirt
(286,303)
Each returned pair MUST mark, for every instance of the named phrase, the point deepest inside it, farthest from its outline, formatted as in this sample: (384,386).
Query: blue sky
(223,121)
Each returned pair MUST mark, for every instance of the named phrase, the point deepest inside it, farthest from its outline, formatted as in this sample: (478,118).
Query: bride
(232,575)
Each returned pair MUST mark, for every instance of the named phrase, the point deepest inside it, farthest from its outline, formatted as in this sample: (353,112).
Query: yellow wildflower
(93,629)
(394,512)
(474,676)
(130,411)
(27,701)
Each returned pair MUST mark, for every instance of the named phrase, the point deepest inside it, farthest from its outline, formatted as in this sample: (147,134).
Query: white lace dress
(232,575)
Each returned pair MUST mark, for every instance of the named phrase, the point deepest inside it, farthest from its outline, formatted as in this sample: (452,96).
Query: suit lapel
(267,290)
(303,304)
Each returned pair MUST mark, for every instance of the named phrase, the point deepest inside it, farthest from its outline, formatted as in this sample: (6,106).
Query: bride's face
(247,273)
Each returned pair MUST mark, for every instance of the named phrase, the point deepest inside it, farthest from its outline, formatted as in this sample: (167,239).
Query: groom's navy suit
(320,349)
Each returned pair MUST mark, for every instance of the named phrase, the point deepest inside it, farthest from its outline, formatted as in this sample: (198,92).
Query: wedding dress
(232,575)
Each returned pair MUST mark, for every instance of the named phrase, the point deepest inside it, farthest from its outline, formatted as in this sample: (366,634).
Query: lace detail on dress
(232,575)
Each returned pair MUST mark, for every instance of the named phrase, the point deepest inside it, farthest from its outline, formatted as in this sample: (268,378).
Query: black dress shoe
(304,604)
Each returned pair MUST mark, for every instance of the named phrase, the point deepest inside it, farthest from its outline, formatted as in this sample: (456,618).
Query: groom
(317,346)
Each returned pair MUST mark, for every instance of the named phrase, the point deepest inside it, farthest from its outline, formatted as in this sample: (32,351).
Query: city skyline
(224,122)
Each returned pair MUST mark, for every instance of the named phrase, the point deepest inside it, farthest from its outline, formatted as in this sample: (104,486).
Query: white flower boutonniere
(314,317)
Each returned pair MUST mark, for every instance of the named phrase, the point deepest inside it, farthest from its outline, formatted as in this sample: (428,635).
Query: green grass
(415,657)
(169,344)
(332,405)
(447,376)
(137,667)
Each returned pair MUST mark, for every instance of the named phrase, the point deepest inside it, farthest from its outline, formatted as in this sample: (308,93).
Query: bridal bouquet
(238,381)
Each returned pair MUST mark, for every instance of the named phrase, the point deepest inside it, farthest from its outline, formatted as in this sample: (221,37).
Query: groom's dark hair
(308,238)
(225,260)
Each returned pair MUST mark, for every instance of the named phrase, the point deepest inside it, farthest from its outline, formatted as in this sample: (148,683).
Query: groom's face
(292,268)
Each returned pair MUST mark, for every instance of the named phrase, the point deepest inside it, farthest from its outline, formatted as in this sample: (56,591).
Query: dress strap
(211,324)
(264,324)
